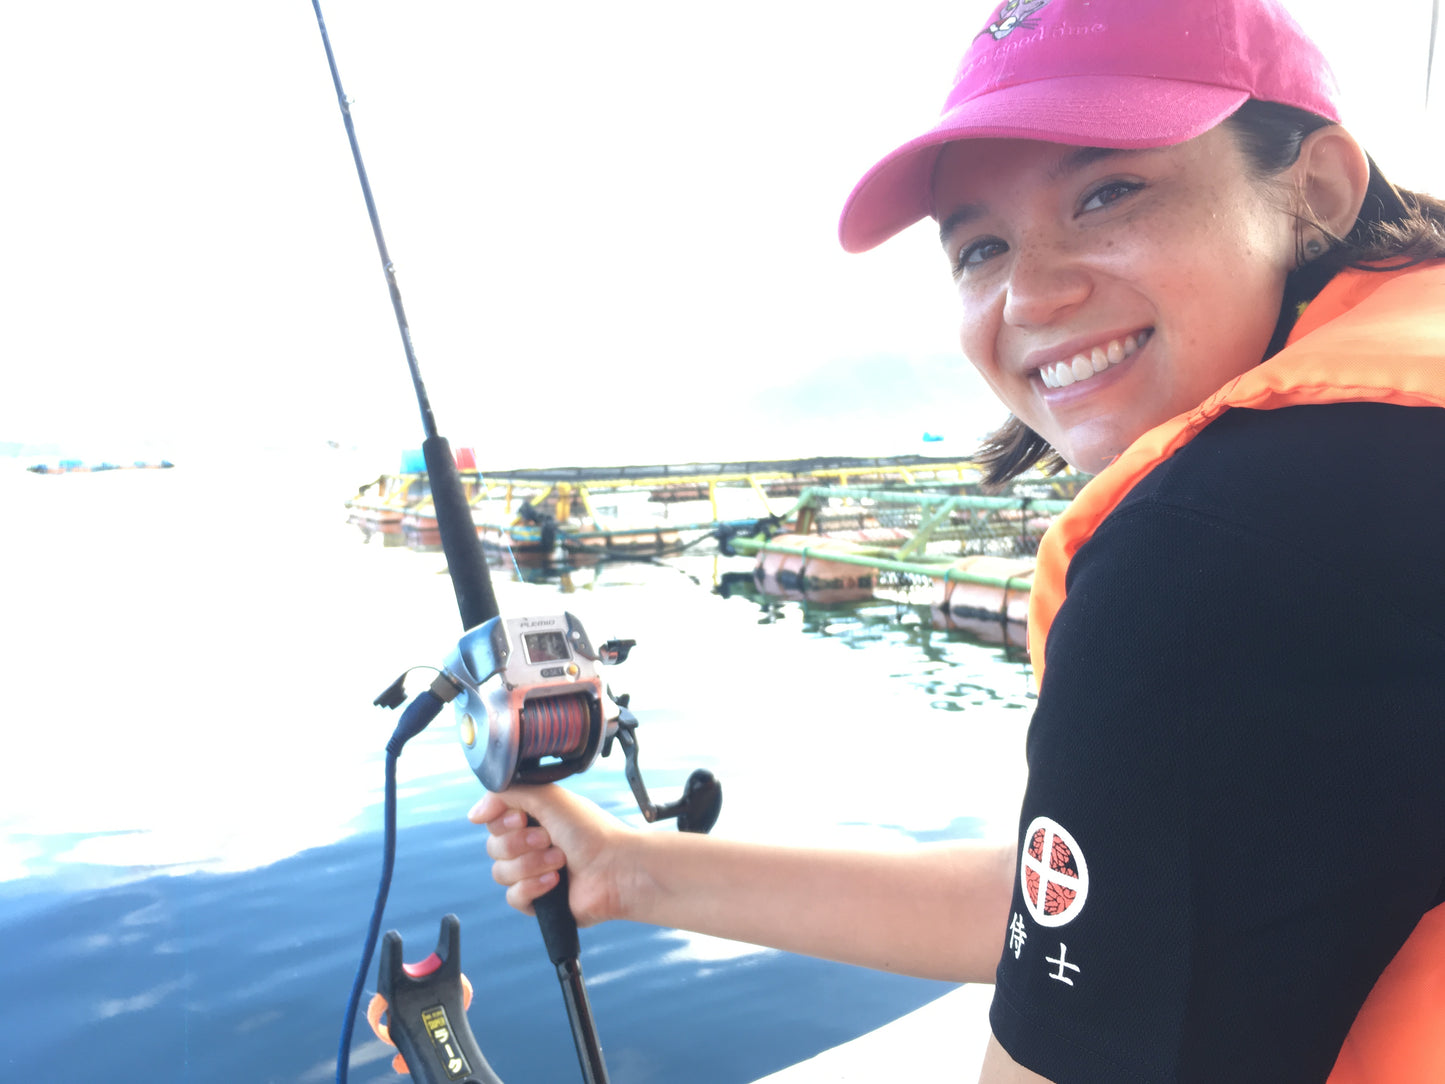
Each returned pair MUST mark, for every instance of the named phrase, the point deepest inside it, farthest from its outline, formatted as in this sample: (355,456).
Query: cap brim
(1083,110)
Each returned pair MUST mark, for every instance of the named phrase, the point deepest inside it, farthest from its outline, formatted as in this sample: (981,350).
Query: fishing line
(1430,56)
(507,545)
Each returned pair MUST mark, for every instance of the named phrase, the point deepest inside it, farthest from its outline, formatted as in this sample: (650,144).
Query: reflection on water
(189,835)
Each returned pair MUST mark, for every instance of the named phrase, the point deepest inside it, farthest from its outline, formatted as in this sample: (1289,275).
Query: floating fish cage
(557,516)
(969,556)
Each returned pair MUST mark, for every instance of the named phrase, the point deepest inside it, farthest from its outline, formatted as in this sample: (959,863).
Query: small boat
(380,505)
(543,529)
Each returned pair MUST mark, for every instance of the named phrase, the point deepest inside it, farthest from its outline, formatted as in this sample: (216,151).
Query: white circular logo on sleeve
(1052,873)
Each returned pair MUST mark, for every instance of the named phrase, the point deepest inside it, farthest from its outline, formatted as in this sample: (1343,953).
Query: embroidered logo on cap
(1052,873)
(1013,15)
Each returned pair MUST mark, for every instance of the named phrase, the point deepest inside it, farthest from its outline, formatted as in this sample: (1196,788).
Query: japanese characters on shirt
(1054,879)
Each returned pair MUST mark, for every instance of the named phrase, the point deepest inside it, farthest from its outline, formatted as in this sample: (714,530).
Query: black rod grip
(463,549)
(554,916)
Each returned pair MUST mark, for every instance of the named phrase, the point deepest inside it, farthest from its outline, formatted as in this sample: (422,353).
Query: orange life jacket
(1376,336)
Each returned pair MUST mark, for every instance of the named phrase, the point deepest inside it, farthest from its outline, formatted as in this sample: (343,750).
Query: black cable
(421,711)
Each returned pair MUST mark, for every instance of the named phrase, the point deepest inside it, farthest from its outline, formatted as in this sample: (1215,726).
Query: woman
(1231,855)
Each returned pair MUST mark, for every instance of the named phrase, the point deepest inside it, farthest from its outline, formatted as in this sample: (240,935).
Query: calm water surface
(190,799)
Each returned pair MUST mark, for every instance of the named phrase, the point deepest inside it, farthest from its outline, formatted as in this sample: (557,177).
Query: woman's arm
(935,911)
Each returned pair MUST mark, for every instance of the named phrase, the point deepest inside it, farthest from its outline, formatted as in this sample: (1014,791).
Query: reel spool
(554,726)
(542,720)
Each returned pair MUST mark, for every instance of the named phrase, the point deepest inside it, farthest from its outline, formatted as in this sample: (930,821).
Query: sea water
(190,793)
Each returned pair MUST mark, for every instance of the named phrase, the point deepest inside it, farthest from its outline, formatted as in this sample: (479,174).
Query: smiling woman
(1292,167)
(1146,247)
(1175,269)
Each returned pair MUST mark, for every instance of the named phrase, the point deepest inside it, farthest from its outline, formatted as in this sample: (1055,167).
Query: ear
(1331,175)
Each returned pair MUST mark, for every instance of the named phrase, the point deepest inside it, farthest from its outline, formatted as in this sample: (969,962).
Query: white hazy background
(614,225)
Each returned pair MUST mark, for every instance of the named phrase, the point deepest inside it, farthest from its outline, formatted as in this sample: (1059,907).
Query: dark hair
(1396,228)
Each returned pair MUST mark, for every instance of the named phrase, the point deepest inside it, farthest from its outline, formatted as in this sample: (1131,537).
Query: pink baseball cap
(1099,73)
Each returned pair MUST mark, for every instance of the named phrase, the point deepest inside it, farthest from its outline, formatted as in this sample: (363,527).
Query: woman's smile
(1084,364)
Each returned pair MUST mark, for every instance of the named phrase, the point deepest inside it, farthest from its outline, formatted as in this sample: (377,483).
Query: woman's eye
(977,252)
(1109,193)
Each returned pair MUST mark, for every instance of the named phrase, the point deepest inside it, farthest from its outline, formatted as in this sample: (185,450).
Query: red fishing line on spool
(554,726)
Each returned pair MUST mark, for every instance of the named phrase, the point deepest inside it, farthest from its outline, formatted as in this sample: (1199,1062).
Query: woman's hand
(571,831)
(937,911)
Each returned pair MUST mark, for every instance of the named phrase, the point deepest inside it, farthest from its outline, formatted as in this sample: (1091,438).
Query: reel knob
(700,804)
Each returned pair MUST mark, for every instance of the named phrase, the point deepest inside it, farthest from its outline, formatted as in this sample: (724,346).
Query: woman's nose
(1044,283)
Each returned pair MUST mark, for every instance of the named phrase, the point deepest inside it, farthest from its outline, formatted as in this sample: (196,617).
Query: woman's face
(1105,292)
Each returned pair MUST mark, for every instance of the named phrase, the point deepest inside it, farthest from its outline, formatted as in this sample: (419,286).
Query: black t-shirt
(1235,812)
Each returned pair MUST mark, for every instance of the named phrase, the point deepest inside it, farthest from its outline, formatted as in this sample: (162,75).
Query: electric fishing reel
(543,717)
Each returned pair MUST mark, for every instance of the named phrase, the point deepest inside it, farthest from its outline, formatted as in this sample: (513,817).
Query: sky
(614,226)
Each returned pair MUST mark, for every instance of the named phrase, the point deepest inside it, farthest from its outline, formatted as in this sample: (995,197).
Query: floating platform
(973,556)
(579,515)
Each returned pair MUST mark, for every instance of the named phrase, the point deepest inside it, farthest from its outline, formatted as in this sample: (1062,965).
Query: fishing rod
(540,720)
(460,544)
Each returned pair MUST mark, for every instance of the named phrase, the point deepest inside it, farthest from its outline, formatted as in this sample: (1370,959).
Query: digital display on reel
(545,646)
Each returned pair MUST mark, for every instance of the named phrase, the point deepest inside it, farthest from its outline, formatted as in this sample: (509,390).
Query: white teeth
(1084,365)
